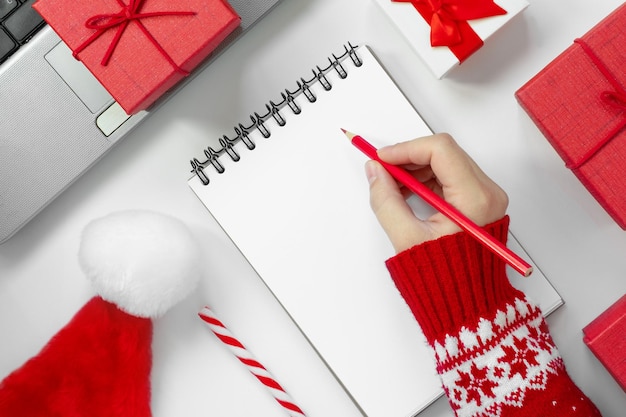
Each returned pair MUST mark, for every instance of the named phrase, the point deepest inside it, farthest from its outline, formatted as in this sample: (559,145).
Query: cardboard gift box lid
(152,53)
(606,338)
(578,101)
(417,31)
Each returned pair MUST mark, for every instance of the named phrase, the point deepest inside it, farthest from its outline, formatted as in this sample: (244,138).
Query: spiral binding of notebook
(296,210)
(272,110)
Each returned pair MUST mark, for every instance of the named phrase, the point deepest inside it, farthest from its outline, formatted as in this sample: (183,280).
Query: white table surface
(575,243)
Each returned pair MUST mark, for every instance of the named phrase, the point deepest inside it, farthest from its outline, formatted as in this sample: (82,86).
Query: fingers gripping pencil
(245,357)
(443,206)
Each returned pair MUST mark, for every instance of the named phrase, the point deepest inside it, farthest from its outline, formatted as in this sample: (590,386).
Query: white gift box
(417,31)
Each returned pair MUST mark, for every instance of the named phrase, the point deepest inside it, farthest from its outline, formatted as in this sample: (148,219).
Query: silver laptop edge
(49,136)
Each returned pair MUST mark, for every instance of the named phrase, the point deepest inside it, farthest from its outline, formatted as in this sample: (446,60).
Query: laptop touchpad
(78,78)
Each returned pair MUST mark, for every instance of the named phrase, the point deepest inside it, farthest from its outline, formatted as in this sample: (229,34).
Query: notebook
(290,191)
(56,119)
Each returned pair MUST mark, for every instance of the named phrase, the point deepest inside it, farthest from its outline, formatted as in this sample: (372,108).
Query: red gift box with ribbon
(605,336)
(138,49)
(578,101)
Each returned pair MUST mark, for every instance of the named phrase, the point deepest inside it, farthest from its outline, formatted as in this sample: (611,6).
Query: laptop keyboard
(18,23)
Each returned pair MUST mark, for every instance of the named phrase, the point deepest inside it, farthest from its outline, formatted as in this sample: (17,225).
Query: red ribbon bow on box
(448,22)
(128,12)
(615,99)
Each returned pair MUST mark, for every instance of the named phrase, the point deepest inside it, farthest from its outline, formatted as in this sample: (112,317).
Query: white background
(575,243)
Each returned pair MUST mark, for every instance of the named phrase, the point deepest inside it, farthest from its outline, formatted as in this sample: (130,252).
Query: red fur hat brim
(97,365)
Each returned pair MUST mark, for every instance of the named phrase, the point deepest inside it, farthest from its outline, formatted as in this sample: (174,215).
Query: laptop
(56,120)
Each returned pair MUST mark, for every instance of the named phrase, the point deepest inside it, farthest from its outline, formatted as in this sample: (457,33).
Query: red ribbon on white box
(448,20)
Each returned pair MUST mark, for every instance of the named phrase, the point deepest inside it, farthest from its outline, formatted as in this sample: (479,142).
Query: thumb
(393,213)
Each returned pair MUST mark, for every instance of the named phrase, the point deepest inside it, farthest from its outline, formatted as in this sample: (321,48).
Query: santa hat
(141,264)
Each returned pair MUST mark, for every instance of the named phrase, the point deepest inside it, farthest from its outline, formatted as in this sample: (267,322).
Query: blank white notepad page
(297,207)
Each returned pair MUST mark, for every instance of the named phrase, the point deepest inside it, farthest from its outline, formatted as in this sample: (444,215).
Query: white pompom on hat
(141,263)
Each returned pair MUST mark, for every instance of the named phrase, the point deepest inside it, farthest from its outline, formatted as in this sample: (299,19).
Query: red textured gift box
(152,44)
(606,338)
(578,101)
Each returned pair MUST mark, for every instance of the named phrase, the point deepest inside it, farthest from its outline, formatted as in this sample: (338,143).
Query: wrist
(452,281)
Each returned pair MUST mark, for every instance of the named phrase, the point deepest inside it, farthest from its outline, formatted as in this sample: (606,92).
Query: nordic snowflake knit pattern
(491,346)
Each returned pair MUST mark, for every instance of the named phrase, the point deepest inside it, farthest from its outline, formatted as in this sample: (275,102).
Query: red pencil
(443,207)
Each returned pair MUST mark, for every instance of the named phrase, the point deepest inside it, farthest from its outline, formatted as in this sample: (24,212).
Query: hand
(440,164)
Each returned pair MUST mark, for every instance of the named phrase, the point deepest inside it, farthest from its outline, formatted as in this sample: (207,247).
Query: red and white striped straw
(245,357)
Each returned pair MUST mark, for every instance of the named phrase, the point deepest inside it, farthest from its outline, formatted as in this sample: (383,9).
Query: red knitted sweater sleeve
(492,347)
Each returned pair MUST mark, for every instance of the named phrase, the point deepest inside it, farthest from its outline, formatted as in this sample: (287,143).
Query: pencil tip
(350,135)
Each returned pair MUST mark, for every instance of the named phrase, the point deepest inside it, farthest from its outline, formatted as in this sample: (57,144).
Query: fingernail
(371,170)
(385,149)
